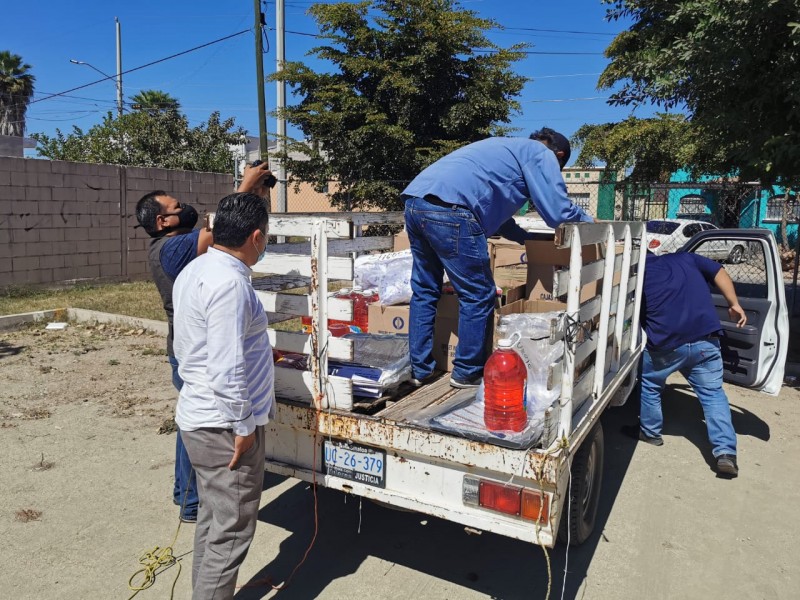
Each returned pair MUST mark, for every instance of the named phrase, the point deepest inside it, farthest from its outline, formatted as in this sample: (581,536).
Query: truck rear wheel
(580,508)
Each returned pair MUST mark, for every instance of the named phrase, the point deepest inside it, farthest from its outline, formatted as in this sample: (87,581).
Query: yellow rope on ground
(154,562)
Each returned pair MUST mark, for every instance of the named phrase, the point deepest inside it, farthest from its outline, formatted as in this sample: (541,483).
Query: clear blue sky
(562,95)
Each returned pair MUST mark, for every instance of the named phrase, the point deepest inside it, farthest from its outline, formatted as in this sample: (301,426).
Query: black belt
(707,338)
(435,200)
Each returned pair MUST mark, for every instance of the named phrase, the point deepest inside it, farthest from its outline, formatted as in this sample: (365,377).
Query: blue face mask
(263,252)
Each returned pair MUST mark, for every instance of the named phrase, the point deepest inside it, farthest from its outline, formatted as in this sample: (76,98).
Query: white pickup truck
(379,451)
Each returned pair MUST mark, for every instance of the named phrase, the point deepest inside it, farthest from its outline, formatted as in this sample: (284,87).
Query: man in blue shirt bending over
(451,208)
(682,327)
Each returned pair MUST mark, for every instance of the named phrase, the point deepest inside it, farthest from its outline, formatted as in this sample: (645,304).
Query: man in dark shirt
(175,244)
(682,327)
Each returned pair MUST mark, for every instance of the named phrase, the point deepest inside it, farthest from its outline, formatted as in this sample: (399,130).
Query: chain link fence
(678,211)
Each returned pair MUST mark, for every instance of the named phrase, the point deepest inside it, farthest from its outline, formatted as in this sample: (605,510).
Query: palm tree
(16,91)
(155,101)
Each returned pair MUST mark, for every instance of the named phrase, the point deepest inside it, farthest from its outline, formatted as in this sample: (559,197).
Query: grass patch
(154,352)
(135,299)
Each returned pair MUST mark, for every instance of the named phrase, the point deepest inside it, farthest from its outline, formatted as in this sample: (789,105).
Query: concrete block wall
(63,221)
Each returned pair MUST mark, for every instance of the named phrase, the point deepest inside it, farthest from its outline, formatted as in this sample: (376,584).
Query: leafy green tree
(411,80)
(647,150)
(148,139)
(733,65)
(154,101)
(16,92)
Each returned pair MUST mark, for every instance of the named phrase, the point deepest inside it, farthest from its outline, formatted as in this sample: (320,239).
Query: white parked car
(670,235)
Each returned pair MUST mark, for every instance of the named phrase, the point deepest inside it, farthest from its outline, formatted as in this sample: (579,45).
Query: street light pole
(119,68)
(280,55)
(262,109)
(118,76)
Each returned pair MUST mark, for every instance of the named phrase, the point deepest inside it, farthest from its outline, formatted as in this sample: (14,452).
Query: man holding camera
(175,244)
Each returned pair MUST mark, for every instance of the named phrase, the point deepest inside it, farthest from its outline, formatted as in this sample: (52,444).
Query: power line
(565,75)
(561,31)
(566,99)
(150,64)
(539,52)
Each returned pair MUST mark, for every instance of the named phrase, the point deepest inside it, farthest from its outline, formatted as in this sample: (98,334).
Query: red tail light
(653,244)
(526,503)
(505,499)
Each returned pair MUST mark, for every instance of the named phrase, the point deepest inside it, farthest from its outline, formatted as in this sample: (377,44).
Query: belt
(435,200)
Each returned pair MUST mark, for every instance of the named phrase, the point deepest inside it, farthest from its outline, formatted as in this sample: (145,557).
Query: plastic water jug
(505,380)
(360,315)
(360,323)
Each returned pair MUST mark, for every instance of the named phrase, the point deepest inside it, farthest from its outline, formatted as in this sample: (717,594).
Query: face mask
(263,253)
(187,219)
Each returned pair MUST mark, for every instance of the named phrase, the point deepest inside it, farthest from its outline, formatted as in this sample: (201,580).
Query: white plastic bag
(390,273)
(533,331)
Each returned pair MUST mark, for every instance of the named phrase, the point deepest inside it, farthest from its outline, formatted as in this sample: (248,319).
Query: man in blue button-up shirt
(451,208)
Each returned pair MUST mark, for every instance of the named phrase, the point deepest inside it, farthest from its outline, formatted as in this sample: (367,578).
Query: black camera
(269,181)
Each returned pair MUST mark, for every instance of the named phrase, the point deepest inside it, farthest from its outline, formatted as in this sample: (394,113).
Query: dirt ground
(86,481)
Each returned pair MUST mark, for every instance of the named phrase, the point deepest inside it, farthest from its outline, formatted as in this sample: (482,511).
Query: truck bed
(442,474)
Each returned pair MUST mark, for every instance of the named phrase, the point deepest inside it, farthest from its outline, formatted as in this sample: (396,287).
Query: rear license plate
(355,462)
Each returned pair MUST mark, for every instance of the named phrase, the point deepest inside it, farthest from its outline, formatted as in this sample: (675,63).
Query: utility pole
(280,53)
(262,109)
(119,68)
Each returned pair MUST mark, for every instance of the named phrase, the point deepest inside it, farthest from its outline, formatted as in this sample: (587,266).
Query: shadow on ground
(493,565)
(7,349)
(683,417)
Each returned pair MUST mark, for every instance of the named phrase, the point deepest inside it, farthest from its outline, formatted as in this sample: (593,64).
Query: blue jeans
(701,364)
(449,240)
(185,484)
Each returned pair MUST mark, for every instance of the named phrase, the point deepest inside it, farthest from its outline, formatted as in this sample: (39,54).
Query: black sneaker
(726,465)
(425,380)
(465,384)
(636,433)
(189,519)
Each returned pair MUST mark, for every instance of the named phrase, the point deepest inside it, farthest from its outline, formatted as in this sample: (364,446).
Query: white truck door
(755,355)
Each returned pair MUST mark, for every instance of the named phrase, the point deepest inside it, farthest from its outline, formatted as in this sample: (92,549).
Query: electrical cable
(317,413)
(487,50)
(150,64)
(569,532)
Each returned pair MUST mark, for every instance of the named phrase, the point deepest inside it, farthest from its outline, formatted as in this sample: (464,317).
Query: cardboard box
(544,259)
(401,241)
(503,252)
(387,319)
(525,274)
(445,338)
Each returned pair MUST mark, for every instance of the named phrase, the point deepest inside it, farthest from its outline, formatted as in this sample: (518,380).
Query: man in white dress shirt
(225,361)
